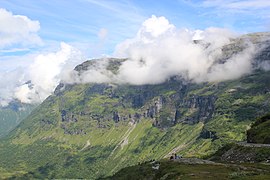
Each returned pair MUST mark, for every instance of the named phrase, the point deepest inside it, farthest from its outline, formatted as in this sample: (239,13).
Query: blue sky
(40,39)
(79,21)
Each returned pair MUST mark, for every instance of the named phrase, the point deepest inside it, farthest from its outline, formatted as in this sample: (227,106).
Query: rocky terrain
(92,130)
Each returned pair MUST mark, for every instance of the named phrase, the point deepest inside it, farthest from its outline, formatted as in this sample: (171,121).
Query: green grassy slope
(178,170)
(237,103)
(12,115)
(242,153)
(74,133)
(260,130)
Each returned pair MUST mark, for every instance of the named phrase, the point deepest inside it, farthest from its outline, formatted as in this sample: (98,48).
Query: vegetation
(94,130)
(178,170)
(12,115)
(260,130)
(241,153)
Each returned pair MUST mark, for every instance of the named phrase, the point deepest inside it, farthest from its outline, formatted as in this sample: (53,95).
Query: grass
(11,117)
(260,130)
(39,147)
(176,170)
(238,153)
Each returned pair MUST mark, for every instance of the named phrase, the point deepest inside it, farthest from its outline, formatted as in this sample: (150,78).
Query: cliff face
(164,107)
(92,130)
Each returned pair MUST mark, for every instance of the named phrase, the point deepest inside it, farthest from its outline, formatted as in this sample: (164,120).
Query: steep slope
(12,115)
(243,152)
(93,130)
(192,169)
(255,149)
(260,131)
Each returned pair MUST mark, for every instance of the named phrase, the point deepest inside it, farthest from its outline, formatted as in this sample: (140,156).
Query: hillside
(192,169)
(260,131)
(232,161)
(92,130)
(12,115)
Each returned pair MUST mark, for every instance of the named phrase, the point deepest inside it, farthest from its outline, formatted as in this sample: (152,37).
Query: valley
(93,130)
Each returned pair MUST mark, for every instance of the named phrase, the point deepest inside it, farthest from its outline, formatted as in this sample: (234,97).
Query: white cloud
(233,68)
(25,94)
(151,29)
(44,72)
(218,36)
(160,51)
(41,71)
(154,27)
(17,30)
(157,52)
(8,82)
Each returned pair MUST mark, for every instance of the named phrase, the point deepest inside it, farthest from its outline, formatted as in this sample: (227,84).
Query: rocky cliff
(91,130)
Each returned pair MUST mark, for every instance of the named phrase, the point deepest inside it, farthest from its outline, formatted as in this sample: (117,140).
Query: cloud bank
(36,82)
(160,51)
(30,77)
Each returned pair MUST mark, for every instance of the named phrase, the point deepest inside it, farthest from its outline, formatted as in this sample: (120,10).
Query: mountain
(192,169)
(259,131)
(92,130)
(239,160)
(12,115)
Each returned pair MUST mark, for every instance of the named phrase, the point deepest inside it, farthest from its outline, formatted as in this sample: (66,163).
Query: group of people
(175,156)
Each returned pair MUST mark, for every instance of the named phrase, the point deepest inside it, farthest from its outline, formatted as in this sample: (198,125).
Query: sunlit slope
(91,130)
(12,115)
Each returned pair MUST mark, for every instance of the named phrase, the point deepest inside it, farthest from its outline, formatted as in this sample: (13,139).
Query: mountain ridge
(92,130)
